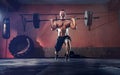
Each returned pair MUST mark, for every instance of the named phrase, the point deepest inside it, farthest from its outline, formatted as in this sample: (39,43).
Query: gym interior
(27,42)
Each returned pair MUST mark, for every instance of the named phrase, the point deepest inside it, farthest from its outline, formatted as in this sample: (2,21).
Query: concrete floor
(59,67)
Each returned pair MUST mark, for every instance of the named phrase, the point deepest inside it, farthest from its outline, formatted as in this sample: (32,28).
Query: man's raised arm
(53,24)
(73,23)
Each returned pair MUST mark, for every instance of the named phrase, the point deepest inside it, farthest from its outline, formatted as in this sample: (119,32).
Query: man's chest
(63,24)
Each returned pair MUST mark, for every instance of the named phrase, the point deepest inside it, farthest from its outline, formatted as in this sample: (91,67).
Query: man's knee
(67,41)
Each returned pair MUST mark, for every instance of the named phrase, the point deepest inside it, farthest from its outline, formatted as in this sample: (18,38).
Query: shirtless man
(62,26)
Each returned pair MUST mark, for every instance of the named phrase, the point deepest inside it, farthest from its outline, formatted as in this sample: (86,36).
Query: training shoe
(67,57)
(56,57)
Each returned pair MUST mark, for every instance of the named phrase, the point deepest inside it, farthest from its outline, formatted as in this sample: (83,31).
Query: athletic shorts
(60,41)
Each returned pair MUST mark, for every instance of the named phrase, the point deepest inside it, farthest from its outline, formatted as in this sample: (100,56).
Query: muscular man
(62,26)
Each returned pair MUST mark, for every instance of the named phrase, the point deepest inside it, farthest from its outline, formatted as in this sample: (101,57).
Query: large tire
(21,47)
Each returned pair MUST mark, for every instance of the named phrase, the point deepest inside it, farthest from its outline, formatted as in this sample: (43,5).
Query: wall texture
(104,31)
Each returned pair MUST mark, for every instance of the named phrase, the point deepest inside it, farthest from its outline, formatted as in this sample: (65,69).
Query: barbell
(88,18)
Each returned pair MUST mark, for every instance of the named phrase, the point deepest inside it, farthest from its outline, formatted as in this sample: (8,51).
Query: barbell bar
(60,19)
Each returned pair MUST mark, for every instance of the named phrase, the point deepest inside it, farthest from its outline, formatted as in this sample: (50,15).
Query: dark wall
(104,31)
